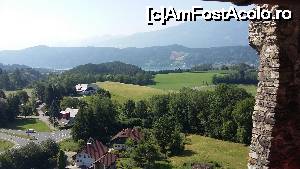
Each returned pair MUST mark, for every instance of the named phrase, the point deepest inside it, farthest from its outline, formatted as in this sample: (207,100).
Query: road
(12,135)
(15,136)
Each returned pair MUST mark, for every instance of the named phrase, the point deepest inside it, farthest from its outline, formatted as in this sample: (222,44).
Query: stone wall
(276,117)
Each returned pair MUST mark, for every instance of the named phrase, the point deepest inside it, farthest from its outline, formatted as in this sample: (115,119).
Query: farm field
(122,92)
(196,80)
(176,81)
(28,123)
(5,145)
(204,150)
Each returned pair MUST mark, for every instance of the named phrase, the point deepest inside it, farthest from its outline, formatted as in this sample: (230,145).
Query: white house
(86,89)
(93,151)
(67,116)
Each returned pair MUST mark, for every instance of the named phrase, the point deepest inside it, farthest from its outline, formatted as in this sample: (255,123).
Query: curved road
(12,135)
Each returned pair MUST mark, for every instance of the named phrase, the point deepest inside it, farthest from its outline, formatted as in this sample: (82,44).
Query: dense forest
(112,71)
(13,79)
(240,74)
(224,113)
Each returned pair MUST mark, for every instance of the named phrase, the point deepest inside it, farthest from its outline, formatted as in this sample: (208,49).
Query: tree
(71,103)
(129,108)
(54,110)
(242,114)
(167,133)
(2,94)
(144,153)
(103,93)
(61,160)
(23,96)
(32,155)
(97,119)
(26,109)
(3,112)
(13,106)
(221,104)
(141,109)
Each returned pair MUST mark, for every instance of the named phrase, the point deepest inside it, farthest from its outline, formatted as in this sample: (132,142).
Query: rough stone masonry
(276,117)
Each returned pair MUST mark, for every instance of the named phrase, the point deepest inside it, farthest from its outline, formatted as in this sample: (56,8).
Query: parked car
(30,131)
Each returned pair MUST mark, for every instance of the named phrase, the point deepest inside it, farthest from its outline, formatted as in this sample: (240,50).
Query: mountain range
(149,58)
(200,34)
(200,42)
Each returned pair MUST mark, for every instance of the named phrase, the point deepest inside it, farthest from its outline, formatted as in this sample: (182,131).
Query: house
(86,89)
(67,116)
(107,161)
(93,151)
(119,139)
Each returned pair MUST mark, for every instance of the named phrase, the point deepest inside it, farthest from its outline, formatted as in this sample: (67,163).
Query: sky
(27,23)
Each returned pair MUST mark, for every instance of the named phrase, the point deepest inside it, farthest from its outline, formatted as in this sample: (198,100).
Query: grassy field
(69,145)
(122,92)
(197,80)
(28,123)
(29,92)
(205,150)
(5,145)
(176,81)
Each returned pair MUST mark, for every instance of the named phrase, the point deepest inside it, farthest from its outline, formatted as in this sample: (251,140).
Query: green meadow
(122,92)
(208,150)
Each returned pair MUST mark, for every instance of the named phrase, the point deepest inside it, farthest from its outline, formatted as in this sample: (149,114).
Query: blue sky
(25,23)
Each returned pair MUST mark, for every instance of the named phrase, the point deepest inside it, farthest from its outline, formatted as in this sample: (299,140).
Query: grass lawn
(249,88)
(204,149)
(122,92)
(176,81)
(29,92)
(69,145)
(28,123)
(5,145)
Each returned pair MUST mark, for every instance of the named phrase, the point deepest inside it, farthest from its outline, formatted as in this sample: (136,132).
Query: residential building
(86,89)
(120,139)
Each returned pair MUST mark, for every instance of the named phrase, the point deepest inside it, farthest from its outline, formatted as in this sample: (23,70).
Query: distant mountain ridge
(200,34)
(157,57)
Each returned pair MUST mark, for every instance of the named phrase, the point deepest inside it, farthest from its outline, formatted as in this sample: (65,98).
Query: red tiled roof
(134,134)
(95,149)
(108,159)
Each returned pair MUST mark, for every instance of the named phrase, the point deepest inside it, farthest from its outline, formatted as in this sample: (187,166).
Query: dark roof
(95,149)
(134,134)
(107,160)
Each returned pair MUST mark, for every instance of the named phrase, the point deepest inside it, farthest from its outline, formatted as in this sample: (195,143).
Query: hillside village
(96,125)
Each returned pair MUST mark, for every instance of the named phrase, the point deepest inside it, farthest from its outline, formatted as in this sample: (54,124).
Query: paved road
(44,118)
(57,136)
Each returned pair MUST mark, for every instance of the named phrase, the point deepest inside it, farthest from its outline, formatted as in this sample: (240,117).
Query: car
(30,131)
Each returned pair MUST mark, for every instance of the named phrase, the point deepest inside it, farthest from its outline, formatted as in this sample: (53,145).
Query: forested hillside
(111,71)
(153,58)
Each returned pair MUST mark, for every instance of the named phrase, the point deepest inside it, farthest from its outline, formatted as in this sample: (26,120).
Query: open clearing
(69,145)
(5,145)
(29,92)
(122,92)
(205,150)
(196,80)
(176,81)
(29,123)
